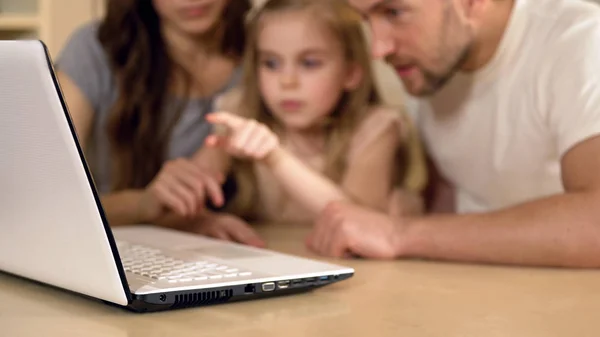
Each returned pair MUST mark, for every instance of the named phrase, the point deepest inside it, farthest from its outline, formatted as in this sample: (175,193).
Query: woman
(138,85)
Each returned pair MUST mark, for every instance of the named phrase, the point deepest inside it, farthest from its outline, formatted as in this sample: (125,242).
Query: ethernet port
(250,289)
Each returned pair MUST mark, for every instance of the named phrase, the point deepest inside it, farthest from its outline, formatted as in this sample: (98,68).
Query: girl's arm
(310,188)
(370,174)
(367,181)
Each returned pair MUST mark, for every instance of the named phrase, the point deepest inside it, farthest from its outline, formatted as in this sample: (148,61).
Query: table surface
(398,298)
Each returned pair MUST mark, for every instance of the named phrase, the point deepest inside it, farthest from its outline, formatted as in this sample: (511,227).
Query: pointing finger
(225,118)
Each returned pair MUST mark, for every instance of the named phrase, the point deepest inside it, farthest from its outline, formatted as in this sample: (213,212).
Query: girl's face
(302,70)
(193,17)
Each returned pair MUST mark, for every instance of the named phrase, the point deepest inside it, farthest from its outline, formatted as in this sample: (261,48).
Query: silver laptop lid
(51,224)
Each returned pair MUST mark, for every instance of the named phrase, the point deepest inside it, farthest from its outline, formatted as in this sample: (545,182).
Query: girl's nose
(289,78)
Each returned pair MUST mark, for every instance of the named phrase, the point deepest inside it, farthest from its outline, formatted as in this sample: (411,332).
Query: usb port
(297,282)
(269,286)
(312,279)
(324,278)
(283,284)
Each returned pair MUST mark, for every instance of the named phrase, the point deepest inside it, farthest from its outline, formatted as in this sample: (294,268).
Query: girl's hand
(245,138)
(181,187)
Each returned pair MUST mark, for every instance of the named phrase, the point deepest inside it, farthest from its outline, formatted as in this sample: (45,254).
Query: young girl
(308,126)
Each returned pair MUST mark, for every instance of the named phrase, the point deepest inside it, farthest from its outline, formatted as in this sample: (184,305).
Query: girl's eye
(311,63)
(269,63)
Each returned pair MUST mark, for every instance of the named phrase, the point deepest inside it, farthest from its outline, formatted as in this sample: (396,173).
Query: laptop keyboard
(153,263)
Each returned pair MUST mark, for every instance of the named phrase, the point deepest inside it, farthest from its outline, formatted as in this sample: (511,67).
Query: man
(509,108)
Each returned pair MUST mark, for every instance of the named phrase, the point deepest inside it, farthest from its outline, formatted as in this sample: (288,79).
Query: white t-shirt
(498,135)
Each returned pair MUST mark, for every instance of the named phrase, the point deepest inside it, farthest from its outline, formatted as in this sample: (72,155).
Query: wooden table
(402,298)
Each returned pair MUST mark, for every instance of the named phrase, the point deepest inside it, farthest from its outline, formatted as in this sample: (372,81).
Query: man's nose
(382,41)
(382,48)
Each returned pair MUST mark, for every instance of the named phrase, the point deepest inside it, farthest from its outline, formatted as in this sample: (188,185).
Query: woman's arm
(179,188)
(213,159)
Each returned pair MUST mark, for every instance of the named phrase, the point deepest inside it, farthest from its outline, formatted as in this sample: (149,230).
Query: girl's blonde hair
(346,25)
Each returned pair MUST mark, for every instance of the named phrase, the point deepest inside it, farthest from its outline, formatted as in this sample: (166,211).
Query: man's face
(426,41)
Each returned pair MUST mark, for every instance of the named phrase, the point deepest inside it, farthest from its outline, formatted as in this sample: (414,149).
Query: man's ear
(354,77)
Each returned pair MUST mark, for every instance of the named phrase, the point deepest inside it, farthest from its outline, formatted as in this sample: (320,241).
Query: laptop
(53,229)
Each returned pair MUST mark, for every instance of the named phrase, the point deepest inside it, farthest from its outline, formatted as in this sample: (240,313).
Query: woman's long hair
(139,126)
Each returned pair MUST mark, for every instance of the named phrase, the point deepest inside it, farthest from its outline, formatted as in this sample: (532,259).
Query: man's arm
(562,230)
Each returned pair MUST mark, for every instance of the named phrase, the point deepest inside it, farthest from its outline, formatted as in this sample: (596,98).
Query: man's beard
(433,82)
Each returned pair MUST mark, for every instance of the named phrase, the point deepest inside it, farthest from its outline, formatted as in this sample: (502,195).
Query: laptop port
(310,280)
(249,289)
(269,286)
(283,284)
(324,278)
(297,282)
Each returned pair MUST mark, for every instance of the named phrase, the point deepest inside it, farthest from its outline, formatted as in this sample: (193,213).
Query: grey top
(83,59)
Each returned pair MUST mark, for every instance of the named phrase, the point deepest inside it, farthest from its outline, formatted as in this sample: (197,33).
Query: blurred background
(53,21)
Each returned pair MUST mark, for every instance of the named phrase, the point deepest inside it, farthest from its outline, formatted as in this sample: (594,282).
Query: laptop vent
(202,298)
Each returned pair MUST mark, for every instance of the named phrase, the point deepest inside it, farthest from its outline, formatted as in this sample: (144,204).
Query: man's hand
(344,229)
(227,227)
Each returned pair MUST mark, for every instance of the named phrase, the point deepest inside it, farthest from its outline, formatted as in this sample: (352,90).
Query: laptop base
(228,294)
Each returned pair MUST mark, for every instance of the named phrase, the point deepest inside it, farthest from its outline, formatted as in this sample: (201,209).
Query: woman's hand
(226,227)
(245,138)
(180,187)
